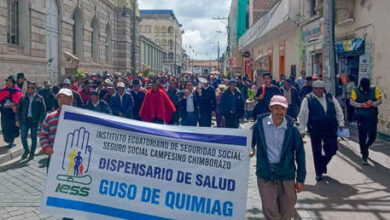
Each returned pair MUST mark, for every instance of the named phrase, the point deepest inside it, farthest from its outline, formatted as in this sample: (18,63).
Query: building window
(108,44)
(78,33)
(170,30)
(13,22)
(170,44)
(164,42)
(313,7)
(170,55)
(95,39)
(164,56)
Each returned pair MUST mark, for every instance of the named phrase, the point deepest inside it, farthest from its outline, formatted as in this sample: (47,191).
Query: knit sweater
(48,130)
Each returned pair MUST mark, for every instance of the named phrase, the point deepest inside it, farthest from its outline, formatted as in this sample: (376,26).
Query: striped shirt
(48,129)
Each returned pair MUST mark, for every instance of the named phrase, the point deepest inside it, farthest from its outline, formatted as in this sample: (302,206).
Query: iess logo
(75,164)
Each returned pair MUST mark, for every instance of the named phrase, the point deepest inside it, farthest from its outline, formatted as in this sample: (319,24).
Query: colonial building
(151,55)
(162,27)
(47,39)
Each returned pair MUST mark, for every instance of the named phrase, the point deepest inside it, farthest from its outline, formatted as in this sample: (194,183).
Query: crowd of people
(283,112)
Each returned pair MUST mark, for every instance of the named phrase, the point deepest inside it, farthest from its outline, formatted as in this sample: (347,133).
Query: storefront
(312,53)
(352,60)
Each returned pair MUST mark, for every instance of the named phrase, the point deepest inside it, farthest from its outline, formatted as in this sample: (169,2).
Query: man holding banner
(279,145)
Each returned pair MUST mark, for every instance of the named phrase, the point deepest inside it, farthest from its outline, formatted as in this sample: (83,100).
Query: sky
(200,38)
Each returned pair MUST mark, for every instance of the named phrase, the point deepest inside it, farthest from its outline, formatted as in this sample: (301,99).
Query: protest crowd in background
(301,106)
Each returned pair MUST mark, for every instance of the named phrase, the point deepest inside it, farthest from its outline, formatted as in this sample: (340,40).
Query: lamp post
(133,49)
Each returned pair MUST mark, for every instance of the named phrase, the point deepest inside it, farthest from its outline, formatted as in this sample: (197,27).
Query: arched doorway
(52,41)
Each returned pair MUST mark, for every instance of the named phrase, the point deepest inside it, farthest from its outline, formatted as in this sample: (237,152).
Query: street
(350,191)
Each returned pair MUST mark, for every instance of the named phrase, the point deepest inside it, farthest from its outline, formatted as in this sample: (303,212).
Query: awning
(356,46)
(261,56)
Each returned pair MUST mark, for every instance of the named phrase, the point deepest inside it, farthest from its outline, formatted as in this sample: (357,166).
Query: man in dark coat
(48,97)
(77,101)
(264,95)
(122,103)
(10,96)
(306,89)
(322,115)
(207,104)
(173,94)
(232,105)
(94,104)
(138,94)
(30,113)
(189,107)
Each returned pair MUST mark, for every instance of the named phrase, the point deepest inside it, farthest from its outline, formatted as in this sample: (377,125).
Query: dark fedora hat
(12,78)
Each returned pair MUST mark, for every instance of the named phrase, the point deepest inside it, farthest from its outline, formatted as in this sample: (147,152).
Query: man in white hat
(322,115)
(279,148)
(49,125)
(122,102)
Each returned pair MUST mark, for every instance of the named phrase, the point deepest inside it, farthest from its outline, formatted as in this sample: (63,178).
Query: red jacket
(17,94)
(157,105)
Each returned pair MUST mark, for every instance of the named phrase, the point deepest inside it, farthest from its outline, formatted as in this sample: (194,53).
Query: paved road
(350,191)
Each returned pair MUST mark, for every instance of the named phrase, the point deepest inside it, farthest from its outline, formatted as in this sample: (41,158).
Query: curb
(14,153)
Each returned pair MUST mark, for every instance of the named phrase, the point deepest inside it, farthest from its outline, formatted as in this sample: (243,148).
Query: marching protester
(301,81)
(77,101)
(47,93)
(97,105)
(30,113)
(278,145)
(138,94)
(122,102)
(49,125)
(232,107)
(264,95)
(189,103)
(207,104)
(21,82)
(84,92)
(10,96)
(306,89)
(366,100)
(292,96)
(322,115)
(157,107)
(173,94)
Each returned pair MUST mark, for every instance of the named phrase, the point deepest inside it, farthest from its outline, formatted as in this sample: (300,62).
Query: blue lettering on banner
(116,189)
(197,204)
(99,209)
(209,138)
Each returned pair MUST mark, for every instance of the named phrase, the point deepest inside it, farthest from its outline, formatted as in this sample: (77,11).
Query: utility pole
(133,49)
(329,38)
(218,56)
(175,55)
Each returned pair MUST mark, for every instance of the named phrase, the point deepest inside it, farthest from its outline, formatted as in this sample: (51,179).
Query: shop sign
(364,67)
(314,31)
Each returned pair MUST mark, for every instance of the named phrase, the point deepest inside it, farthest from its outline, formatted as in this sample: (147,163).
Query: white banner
(106,167)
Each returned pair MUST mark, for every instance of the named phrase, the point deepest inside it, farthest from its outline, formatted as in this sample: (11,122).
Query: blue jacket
(292,151)
(127,105)
(102,107)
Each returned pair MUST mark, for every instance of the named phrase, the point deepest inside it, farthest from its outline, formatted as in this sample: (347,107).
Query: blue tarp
(356,45)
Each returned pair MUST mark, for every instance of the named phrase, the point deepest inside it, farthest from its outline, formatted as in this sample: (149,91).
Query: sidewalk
(350,190)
